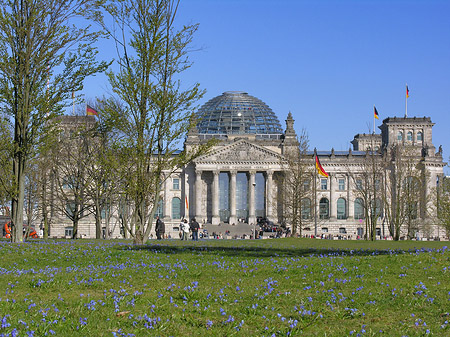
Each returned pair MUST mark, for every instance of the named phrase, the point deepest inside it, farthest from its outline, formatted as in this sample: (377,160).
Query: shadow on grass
(250,251)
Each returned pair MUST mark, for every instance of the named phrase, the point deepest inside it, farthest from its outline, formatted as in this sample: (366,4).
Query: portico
(235,184)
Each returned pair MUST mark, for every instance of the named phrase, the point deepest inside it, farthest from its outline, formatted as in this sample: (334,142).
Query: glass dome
(236,112)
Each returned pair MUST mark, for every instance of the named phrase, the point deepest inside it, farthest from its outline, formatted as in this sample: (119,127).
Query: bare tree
(103,169)
(405,197)
(367,182)
(70,172)
(297,184)
(442,203)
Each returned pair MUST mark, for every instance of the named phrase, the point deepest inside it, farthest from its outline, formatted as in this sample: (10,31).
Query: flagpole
(373,119)
(315,196)
(406,101)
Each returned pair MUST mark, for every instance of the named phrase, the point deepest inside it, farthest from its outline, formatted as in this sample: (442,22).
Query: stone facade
(236,181)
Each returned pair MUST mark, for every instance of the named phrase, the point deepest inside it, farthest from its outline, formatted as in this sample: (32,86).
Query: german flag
(319,168)
(407,92)
(90,111)
(375,112)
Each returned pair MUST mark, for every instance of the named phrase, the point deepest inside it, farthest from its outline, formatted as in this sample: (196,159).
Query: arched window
(411,210)
(378,208)
(176,208)
(409,136)
(306,208)
(400,135)
(359,208)
(324,208)
(419,136)
(341,209)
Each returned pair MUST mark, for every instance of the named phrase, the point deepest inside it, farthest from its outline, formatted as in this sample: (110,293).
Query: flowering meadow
(283,287)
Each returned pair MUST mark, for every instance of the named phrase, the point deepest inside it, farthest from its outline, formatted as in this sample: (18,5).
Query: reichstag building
(238,180)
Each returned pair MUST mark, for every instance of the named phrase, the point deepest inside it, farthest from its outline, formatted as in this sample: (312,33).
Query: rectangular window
(341,184)
(68,231)
(306,185)
(104,212)
(377,184)
(359,184)
(176,183)
(323,184)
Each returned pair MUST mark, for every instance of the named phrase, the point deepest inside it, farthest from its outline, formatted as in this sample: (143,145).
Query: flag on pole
(407,91)
(187,205)
(90,111)
(375,112)
(319,168)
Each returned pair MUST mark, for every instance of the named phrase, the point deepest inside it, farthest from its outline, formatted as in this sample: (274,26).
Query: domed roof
(236,112)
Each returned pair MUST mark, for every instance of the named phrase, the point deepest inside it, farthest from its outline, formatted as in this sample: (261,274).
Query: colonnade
(251,174)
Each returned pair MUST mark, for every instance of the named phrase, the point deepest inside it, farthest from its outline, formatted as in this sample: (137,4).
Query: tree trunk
(46,225)
(17,202)
(75,228)
(98,221)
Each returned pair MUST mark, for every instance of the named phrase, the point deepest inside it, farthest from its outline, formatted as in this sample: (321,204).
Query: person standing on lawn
(194,228)
(184,227)
(159,228)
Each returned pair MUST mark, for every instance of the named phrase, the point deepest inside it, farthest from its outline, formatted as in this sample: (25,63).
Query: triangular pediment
(241,151)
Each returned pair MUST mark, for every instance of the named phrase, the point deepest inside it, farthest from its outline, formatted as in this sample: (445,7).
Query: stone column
(269,200)
(251,198)
(350,200)
(233,218)
(333,201)
(167,201)
(215,198)
(198,196)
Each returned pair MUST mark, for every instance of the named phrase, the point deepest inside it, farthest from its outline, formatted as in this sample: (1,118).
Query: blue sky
(328,62)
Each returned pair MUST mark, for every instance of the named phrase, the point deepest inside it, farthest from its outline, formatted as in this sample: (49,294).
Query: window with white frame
(323,184)
(160,209)
(306,185)
(359,184)
(68,232)
(341,184)
(176,183)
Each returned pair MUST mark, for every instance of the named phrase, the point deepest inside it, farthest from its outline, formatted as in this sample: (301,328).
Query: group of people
(185,228)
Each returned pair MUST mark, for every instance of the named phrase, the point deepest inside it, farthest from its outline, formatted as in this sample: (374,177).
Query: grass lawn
(224,288)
